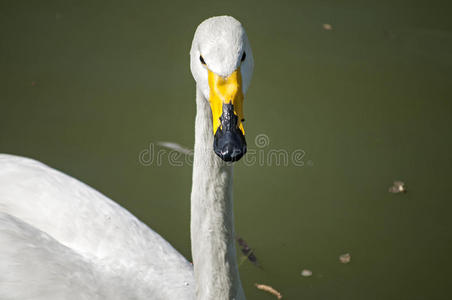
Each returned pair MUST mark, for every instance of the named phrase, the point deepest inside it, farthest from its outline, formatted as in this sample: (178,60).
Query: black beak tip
(231,152)
(229,142)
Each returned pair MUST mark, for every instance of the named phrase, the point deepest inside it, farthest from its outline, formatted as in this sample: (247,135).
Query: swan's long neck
(212,221)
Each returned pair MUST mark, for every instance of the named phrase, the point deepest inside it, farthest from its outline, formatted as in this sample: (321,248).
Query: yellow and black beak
(226,102)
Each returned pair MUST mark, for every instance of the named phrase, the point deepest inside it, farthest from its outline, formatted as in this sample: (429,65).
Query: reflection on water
(362,88)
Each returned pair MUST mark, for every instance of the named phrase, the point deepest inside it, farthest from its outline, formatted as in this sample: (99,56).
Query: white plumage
(59,234)
(61,239)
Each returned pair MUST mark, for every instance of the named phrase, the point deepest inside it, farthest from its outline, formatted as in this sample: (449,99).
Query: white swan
(61,239)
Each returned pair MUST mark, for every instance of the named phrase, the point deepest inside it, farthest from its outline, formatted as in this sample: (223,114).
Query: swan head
(221,62)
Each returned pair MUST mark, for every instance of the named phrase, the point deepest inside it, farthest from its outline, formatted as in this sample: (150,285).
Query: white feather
(176,147)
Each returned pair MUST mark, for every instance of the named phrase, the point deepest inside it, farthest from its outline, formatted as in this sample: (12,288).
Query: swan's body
(61,239)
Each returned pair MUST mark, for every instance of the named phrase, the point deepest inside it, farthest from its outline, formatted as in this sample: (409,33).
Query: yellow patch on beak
(224,91)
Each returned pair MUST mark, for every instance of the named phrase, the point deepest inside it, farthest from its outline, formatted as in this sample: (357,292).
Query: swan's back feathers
(35,266)
(91,227)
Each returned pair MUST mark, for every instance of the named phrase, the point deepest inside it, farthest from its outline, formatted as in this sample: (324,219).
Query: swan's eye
(202,60)
(243,56)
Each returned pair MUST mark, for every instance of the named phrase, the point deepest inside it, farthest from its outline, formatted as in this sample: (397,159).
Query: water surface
(85,86)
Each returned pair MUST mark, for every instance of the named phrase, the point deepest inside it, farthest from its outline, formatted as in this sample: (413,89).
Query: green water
(85,86)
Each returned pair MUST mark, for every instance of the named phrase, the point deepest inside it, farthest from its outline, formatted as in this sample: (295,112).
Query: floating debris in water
(327,27)
(33,83)
(306,273)
(247,251)
(398,187)
(176,147)
(268,289)
(345,258)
